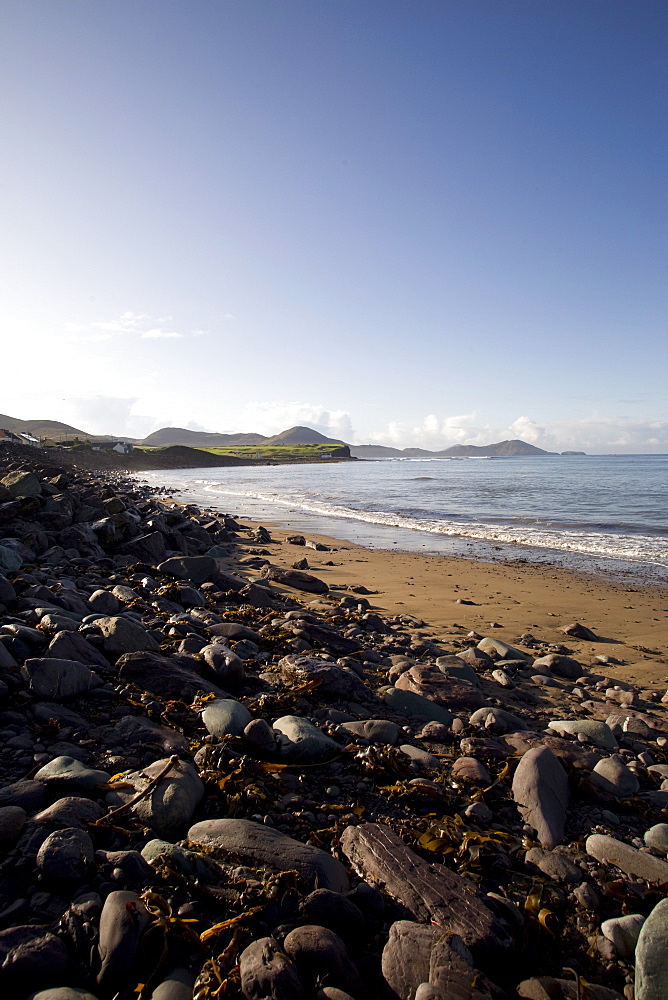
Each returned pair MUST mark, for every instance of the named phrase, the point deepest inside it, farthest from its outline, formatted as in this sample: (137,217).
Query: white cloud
(128,324)
(157,333)
(596,434)
(272,418)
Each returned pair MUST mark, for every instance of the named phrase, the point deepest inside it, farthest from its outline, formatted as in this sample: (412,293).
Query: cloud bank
(596,434)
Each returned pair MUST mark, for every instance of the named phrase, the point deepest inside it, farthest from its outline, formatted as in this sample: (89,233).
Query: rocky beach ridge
(221,777)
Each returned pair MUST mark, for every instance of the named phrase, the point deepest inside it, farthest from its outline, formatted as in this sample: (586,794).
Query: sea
(606,515)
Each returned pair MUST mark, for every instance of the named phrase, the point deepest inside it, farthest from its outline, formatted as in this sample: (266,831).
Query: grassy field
(273,453)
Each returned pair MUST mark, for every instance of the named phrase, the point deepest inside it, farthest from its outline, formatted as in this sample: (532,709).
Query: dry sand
(519,597)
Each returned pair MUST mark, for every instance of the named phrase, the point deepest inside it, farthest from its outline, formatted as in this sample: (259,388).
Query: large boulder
(540,789)
(198,569)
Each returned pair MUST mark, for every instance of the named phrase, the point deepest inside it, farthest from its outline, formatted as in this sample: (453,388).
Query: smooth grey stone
(68,771)
(334,910)
(169,807)
(560,666)
(500,650)
(30,957)
(70,811)
(123,921)
(420,757)
(104,602)
(612,775)
(304,742)
(164,676)
(66,855)
(259,733)
(73,646)
(657,837)
(497,720)
(234,630)
(457,667)
(608,850)
(554,865)
(10,561)
(28,794)
(540,789)
(623,932)
(53,623)
(157,848)
(12,821)
(7,661)
(268,974)
(7,592)
(43,711)
(124,636)
(470,769)
(263,846)
(225,717)
(59,679)
(318,952)
(651,956)
(198,569)
(135,729)
(62,993)
(597,732)
(415,706)
(226,665)
(178,985)
(374,730)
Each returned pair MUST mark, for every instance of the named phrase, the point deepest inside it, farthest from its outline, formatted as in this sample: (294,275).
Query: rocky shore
(223,777)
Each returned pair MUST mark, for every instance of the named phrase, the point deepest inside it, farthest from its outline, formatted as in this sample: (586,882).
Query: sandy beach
(453,596)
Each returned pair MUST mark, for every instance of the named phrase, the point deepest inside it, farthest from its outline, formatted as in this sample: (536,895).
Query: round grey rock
(66,855)
(225,717)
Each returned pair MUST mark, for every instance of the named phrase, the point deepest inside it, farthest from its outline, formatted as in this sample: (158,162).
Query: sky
(406,222)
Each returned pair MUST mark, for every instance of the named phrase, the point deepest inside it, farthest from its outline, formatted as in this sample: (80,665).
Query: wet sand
(507,600)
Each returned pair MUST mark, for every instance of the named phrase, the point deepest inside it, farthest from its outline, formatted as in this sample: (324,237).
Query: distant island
(187,447)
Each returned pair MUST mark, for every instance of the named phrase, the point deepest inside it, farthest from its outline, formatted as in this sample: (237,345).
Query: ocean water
(600,514)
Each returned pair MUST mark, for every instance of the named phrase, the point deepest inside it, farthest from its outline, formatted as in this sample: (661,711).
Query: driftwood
(430,893)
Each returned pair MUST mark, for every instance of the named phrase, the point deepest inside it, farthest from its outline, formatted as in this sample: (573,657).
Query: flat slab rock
(263,847)
(428,892)
(629,859)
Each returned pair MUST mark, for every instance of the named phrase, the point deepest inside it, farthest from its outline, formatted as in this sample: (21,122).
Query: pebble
(225,717)
(169,807)
(612,775)
(657,837)
(66,855)
(67,772)
(304,742)
(554,865)
(623,932)
(12,821)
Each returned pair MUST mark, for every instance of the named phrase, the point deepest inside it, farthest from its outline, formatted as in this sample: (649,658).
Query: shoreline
(515,597)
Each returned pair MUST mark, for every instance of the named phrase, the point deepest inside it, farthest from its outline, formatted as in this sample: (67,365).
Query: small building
(9,437)
(120,447)
(28,439)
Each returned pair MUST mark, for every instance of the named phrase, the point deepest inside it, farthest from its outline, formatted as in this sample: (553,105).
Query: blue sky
(408,222)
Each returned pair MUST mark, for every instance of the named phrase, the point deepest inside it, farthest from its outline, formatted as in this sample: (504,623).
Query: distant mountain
(199,439)
(502,449)
(54,430)
(301,435)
